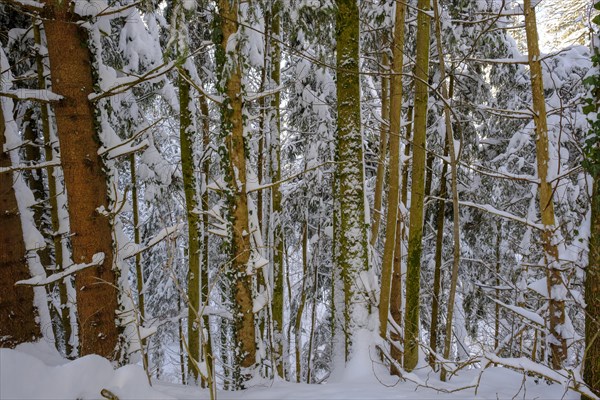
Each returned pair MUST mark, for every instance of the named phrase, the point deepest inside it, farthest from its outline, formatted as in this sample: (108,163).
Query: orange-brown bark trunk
(85,180)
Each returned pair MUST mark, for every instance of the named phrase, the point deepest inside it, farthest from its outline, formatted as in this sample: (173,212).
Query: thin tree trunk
(394,169)
(437,272)
(261,210)
(447,95)
(17,312)
(497,305)
(556,304)
(383,139)
(85,180)
(181,346)
(275,166)
(396,292)
(139,273)
(262,121)
(190,187)
(313,313)
(396,300)
(298,321)
(413,276)
(205,265)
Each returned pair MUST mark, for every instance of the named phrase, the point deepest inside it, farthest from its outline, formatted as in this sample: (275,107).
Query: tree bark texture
(415,235)
(555,283)
(85,179)
(351,233)
(394,168)
(234,161)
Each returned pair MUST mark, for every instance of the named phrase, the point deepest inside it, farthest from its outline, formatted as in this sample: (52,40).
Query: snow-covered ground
(36,371)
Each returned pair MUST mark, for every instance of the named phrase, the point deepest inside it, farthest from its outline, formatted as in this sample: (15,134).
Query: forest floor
(36,371)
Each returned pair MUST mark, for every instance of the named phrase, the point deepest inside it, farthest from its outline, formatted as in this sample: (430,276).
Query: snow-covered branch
(47,164)
(160,236)
(493,210)
(40,280)
(43,96)
(566,378)
(123,84)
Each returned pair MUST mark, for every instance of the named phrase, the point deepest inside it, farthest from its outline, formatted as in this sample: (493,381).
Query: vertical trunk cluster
(234,162)
(350,232)
(394,172)
(17,312)
(556,286)
(415,234)
(199,346)
(85,179)
(59,259)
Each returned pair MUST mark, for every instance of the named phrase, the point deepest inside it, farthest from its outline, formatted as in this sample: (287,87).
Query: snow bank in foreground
(36,371)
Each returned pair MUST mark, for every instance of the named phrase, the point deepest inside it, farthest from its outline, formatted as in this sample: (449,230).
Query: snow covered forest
(299,199)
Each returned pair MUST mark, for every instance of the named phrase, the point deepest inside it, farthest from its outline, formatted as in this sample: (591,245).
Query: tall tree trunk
(262,212)
(415,236)
(556,304)
(188,169)
(187,140)
(451,147)
(394,168)
(350,232)
(275,166)
(234,162)
(85,179)
(17,312)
